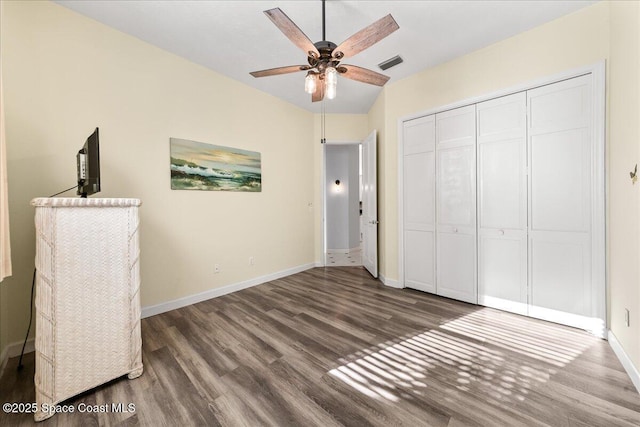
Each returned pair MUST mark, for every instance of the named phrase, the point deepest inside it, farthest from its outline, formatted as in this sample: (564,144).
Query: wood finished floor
(330,347)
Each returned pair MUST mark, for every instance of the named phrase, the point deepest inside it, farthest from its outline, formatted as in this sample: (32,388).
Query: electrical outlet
(216,268)
(626,317)
(252,261)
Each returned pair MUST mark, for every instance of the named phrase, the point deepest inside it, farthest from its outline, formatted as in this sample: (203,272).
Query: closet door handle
(501,232)
(455,230)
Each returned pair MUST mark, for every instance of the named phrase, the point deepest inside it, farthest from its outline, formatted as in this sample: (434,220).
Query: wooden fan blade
(279,70)
(291,30)
(366,37)
(318,95)
(362,75)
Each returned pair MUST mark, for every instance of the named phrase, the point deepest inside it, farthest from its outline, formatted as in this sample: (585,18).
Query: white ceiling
(235,37)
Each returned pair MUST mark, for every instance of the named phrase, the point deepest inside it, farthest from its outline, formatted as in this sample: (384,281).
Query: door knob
(455,230)
(501,232)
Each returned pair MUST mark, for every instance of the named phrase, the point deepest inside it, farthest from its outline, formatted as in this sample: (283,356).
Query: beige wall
(338,128)
(65,74)
(623,155)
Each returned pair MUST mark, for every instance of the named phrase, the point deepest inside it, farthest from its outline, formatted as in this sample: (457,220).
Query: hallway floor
(351,259)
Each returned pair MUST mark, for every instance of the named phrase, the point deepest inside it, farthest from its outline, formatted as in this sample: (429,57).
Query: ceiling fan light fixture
(310,83)
(331,81)
(331,89)
(331,75)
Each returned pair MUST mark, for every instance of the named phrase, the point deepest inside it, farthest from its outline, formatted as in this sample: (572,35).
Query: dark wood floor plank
(333,346)
(203,378)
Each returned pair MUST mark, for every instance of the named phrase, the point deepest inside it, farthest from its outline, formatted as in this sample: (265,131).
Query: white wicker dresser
(87,296)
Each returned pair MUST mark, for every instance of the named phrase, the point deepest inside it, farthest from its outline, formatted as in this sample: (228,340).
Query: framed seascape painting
(200,166)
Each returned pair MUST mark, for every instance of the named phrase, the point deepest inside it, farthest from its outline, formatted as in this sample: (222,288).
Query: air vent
(391,62)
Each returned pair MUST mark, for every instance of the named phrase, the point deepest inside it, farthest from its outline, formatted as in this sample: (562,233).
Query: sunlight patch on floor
(555,345)
(470,353)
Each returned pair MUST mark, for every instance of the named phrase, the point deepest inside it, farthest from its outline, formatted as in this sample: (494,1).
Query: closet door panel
(456,204)
(502,184)
(502,198)
(456,127)
(560,268)
(456,187)
(502,275)
(419,191)
(419,260)
(419,135)
(560,192)
(456,267)
(419,203)
(560,200)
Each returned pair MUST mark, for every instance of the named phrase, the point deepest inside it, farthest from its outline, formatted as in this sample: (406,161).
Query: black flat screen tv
(88,160)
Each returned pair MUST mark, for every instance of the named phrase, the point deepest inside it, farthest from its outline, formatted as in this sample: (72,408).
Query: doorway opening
(343,204)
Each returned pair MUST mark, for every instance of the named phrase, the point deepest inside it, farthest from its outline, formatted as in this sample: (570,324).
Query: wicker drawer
(87,295)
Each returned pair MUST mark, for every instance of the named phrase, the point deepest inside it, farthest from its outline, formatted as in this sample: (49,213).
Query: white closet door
(456,204)
(419,137)
(560,152)
(502,203)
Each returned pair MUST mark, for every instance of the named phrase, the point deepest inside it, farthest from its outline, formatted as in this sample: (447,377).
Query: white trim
(389,282)
(400,199)
(217,292)
(599,194)
(13,350)
(626,362)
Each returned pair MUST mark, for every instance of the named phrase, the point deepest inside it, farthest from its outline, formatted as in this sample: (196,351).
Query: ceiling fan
(324,57)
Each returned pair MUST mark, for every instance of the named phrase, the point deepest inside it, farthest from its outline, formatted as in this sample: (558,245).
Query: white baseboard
(217,292)
(13,350)
(392,283)
(628,365)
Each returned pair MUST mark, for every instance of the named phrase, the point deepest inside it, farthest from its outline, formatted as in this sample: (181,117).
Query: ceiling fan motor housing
(326,49)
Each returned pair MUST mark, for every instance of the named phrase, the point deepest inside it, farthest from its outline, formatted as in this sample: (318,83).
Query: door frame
(599,266)
(323,190)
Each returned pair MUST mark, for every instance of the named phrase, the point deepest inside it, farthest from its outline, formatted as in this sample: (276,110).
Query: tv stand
(87,296)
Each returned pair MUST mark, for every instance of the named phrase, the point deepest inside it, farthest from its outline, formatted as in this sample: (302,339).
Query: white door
(560,201)
(419,165)
(369,205)
(456,204)
(502,203)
